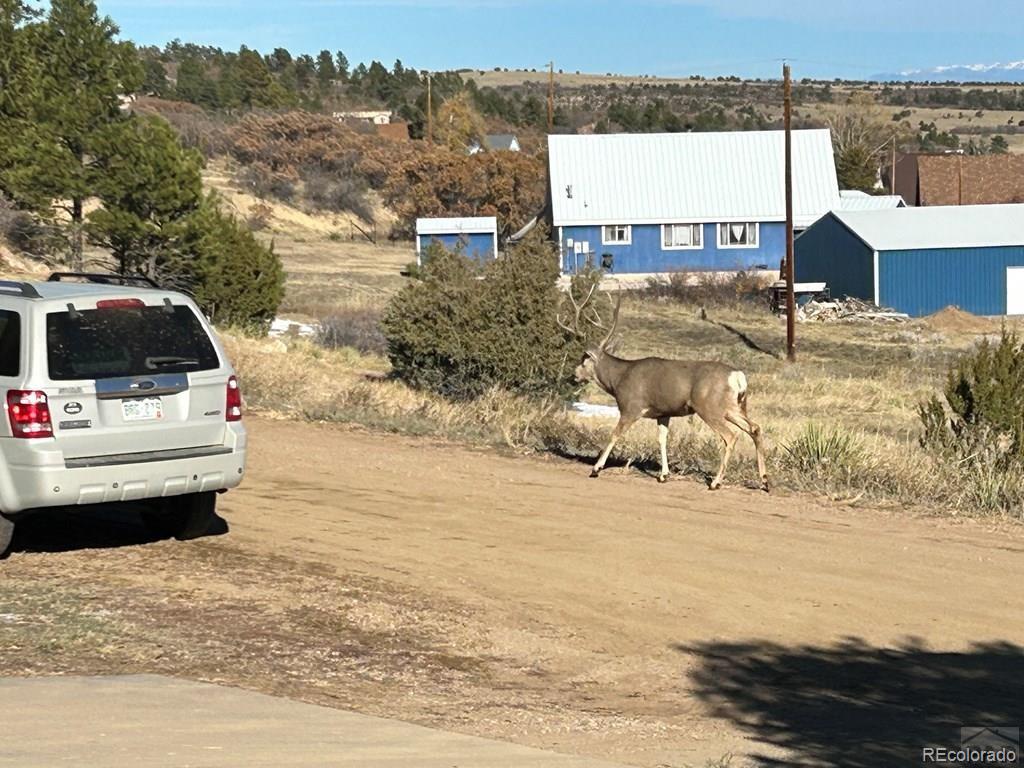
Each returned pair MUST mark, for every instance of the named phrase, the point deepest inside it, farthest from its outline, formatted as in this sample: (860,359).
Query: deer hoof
(764,485)
(713,486)
(593,473)
(662,478)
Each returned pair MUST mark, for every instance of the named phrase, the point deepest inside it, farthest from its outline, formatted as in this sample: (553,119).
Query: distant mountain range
(1012,72)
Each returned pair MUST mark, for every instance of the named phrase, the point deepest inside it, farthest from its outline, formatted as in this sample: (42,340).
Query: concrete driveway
(147,721)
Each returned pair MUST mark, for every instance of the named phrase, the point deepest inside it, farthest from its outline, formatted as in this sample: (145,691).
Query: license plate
(144,409)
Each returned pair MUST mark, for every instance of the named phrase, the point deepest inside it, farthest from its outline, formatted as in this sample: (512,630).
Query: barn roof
(656,178)
(463,225)
(940,226)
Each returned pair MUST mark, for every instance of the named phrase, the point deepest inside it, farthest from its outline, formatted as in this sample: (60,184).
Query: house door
(1015,290)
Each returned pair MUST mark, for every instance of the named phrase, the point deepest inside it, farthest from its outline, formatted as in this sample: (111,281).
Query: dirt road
(662,625)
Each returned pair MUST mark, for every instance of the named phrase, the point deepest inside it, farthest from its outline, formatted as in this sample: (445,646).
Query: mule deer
(659,389)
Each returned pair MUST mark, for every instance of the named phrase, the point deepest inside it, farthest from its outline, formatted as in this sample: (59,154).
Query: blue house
(919,260)
(654,203)
(476,236)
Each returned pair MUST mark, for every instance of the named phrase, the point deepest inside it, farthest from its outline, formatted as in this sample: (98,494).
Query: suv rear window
(10,342)
(126,341)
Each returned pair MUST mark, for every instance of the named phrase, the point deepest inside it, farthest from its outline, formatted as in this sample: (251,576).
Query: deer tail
(738,384)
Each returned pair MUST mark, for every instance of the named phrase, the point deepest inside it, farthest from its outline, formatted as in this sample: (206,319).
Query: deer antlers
(585,310)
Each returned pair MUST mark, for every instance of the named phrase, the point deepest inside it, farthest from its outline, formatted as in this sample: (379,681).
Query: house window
(738,235)
(679,236)
(616,234)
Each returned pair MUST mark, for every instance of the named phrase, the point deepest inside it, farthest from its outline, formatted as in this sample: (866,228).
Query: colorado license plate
(145,409)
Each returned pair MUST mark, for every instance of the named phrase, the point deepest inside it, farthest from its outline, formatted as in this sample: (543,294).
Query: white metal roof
(939,226)
(466,225)
(654,178)
(855,200)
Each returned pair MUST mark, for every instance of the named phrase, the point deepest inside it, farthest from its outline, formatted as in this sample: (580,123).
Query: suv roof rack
(25,289)
(104,278)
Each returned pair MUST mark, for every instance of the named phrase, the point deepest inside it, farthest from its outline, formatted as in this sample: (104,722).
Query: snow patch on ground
(592,410)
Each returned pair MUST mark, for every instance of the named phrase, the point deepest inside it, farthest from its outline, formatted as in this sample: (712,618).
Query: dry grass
(860,384)
(863,380)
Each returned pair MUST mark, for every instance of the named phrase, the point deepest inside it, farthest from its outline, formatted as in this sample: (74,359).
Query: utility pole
(892,173)
(790,299)
(430,114)
(551,96)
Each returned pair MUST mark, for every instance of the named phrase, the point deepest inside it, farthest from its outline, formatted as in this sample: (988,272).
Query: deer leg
(725,431)
(754,430)
(620,429)
(663,423)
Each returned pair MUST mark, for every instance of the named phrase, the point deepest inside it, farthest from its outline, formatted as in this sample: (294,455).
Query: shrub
(358,328)
(982,403)
(461,328)
(976,425)
(709,288)
(236,280)
(823,451)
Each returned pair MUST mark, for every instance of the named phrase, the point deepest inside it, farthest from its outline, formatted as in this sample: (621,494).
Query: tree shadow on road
(857,706)
(103,526)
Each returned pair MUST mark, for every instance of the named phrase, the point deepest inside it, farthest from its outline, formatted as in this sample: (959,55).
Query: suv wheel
(6,532)
(183,517)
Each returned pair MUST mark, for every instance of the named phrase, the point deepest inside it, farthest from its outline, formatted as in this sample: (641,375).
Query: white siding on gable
(689,177)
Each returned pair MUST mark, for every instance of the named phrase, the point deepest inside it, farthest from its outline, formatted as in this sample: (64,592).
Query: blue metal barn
(477,237)
(919,260)
(655,203)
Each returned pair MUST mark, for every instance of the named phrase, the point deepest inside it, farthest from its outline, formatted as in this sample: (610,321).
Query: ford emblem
(72,408)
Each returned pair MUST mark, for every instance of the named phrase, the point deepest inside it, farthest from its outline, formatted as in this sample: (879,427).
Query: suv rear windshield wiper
(160,362)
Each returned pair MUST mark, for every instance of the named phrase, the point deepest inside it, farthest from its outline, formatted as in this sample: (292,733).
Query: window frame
(748,224)
(693,226)
(19,319)
(628,232)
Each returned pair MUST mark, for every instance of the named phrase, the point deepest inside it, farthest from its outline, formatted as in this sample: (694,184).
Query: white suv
(114,390)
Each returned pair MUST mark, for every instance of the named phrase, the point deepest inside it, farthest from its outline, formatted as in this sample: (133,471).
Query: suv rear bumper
(33,473)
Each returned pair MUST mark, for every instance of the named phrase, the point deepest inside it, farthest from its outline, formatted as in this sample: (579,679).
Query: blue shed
(654,203)
(919,260)
(476,236)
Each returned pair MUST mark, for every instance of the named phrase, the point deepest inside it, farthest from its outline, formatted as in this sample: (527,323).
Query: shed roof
(500,140)
(855,200)
(464,225)
(689,177)
(940,226)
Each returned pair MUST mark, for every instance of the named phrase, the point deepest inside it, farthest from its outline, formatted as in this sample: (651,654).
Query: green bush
(981,406)
(236,280)
(823,451)
(460,328)
(976,425)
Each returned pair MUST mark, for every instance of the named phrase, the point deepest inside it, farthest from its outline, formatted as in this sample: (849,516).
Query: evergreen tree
(234,278)
(147,184)
(155,77)
(254,80)
(75,95)
(279,60)
(326,72)
(341,66)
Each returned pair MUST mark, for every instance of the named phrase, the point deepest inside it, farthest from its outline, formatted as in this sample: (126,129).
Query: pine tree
(75,95)
(341,66)
(325,71)
(147,184)
(254,80)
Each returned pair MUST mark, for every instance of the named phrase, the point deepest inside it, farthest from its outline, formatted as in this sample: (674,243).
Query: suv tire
(6,532)
(183,517)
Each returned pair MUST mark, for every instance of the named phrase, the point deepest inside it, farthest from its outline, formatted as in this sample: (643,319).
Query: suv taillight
(29,413)
(233,412)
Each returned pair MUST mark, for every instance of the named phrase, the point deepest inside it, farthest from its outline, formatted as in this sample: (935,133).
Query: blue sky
(850,39)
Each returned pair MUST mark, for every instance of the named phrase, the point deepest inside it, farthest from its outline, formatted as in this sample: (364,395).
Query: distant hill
(1010,72)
